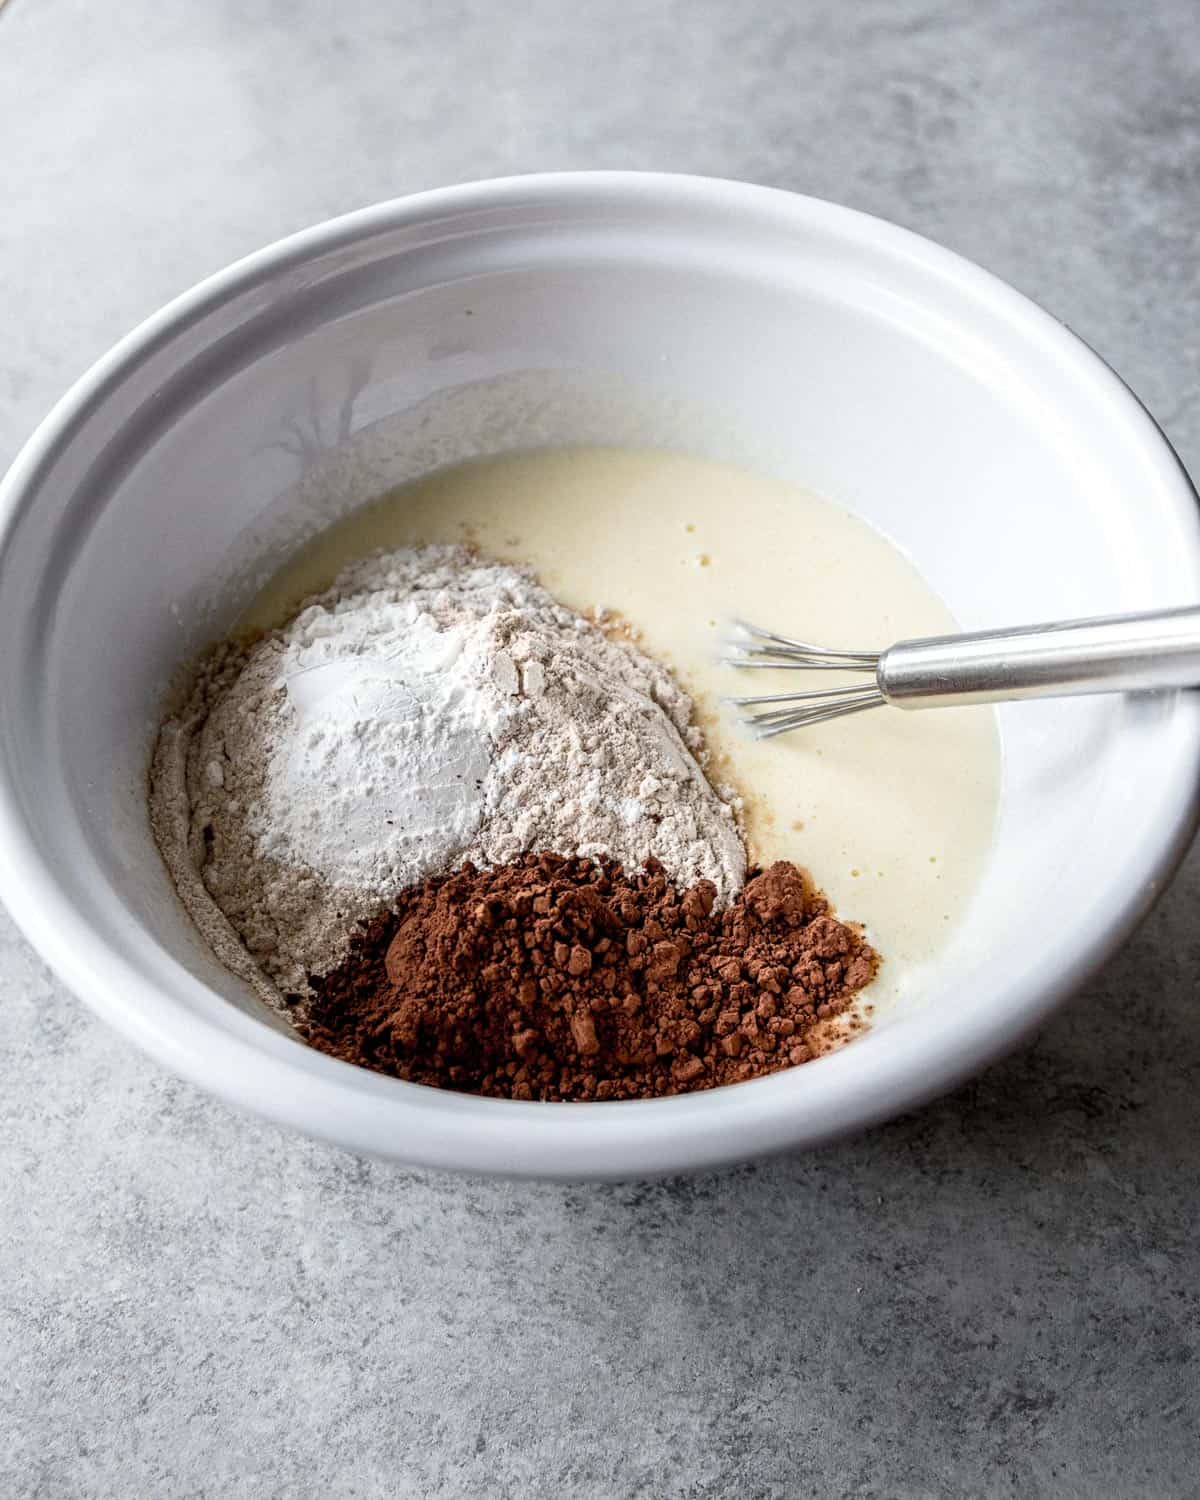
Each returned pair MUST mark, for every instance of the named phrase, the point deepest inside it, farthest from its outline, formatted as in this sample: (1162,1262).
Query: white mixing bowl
(970,427)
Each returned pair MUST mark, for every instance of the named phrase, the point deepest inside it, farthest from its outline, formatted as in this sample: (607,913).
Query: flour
(376,778)
(430,708)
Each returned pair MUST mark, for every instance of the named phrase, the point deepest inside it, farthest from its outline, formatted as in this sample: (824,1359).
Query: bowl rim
(251,1065)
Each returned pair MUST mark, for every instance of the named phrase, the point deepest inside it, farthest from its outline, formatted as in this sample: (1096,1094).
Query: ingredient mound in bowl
(436,744)
(556,978)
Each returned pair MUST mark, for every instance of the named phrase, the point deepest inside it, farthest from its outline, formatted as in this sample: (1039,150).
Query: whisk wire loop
(749,647)
(803,718)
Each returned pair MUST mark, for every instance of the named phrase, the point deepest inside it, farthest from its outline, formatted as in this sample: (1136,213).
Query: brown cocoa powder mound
(555,978)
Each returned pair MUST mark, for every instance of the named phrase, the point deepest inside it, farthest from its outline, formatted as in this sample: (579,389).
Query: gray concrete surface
(997,1295)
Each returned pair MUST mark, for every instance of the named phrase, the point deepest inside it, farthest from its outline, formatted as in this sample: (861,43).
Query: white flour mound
(430,708)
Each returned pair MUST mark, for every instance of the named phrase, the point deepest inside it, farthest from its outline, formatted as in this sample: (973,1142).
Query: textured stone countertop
(999,1294)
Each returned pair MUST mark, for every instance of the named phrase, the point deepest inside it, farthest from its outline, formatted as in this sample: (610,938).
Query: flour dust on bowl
(904,435)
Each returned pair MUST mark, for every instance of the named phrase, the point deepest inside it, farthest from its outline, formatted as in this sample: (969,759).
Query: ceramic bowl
(1022,477)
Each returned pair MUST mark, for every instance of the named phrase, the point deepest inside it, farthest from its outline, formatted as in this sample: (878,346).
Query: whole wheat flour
(430,708)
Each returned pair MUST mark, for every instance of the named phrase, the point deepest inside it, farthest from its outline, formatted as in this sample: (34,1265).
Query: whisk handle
(1113,654)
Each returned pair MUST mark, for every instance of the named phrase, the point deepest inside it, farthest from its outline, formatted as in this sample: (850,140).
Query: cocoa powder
(553,978)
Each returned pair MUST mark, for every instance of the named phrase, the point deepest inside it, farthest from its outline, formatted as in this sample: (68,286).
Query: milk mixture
(892,811)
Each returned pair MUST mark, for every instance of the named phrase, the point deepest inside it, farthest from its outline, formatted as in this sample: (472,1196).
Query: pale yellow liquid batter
(892,812)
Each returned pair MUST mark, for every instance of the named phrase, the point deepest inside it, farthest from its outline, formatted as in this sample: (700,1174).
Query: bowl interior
(739,324)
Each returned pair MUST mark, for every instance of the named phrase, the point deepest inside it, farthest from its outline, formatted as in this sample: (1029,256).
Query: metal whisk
(1112,654)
